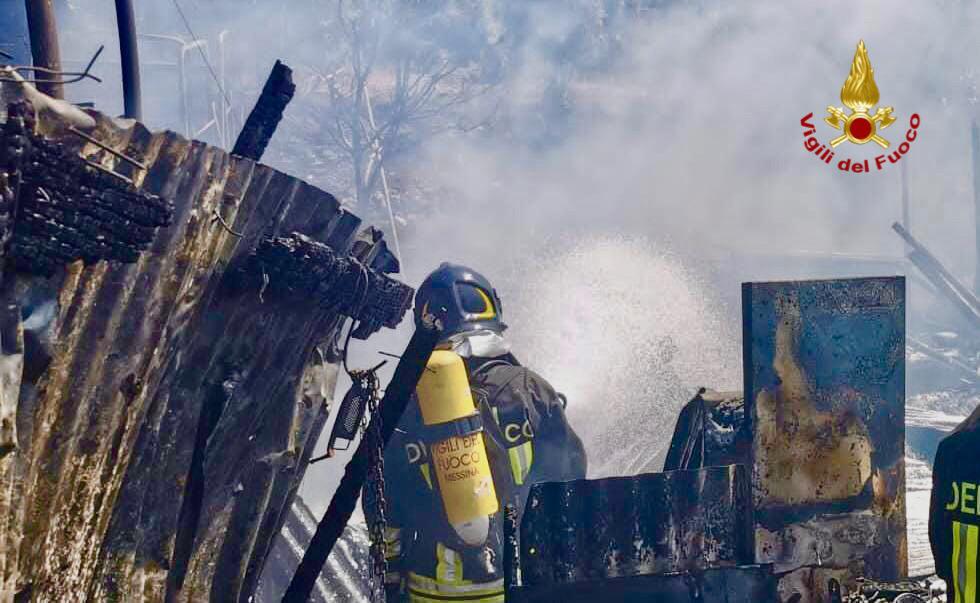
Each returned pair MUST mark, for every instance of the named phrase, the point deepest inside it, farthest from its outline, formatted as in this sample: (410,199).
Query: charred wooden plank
(309,204)
(392,405)
(111,321)
(944,281)
(267,113)
(825,396)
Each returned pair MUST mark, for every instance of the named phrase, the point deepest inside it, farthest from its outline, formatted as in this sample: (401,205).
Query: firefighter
(527,439)
(954,510)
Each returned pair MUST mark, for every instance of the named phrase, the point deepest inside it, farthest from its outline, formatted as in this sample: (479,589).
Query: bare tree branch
(417,89)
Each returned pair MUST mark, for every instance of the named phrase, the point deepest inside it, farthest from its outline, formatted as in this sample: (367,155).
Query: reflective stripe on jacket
(422,589)
(964,563)
(954,511)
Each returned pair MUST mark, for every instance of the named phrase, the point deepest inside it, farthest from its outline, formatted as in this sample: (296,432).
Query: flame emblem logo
(860,95)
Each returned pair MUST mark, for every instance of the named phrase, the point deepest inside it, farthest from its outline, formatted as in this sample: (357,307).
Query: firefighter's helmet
(460,299)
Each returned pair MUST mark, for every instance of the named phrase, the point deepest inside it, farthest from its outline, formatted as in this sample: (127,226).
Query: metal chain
(375,488)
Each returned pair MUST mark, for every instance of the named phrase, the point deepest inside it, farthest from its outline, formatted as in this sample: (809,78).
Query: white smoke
(624,329)
(677,165)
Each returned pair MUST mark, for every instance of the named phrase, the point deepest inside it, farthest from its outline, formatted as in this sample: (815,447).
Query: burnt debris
(711,430)
(653,523)
(298,265)
(20,122)
(397,395)
(266,114)
(142,463)
(68,209)
(677,536)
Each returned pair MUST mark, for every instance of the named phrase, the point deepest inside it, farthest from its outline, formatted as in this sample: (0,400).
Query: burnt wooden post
(396,398)
(266,114)
(44,44)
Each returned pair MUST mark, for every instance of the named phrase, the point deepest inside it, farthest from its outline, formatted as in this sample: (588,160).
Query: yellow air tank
(459,454)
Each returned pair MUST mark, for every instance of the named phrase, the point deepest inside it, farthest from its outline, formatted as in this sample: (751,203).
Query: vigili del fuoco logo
(860,126)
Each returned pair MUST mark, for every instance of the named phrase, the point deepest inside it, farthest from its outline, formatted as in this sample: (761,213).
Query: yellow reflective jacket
(954,510)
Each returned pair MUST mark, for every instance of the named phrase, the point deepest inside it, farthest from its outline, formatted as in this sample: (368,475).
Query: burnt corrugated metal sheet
(160,448)
(747,584)
(825,385)
(655,523)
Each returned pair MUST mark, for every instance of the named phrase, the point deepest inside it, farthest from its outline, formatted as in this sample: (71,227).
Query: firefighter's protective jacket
(528,440)
(954,510)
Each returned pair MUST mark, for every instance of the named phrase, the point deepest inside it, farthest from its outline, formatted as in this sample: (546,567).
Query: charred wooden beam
(947,284)
(396,398)
(44,43)
(145,357)
(267,113)
(298,265)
